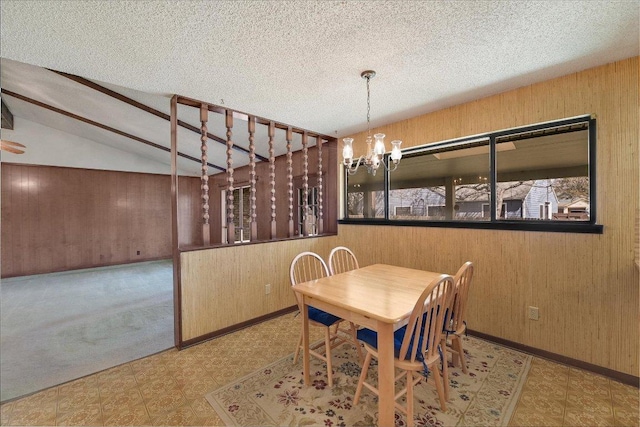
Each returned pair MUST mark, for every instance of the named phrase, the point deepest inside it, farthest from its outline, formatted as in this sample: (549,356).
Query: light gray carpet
(62,326)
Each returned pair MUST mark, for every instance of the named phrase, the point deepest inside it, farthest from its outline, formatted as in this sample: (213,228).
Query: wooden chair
(455,322)
(309,266)
(342,259)
(416,345)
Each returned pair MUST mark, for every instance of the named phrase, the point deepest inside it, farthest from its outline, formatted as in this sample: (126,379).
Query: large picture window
(538,177)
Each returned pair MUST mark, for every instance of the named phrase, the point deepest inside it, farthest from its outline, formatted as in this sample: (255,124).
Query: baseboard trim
(237,327)
(88,267)
(610,373)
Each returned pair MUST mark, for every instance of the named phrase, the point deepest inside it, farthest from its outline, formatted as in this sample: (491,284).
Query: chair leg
(454,355)
(327,341)
(445,368)
(363,376)
(410,422)
(457,342)
(298,348)
(337,325)
(354,335)
(439,387)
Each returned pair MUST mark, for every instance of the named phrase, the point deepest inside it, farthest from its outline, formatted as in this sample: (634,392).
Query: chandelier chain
(368,107)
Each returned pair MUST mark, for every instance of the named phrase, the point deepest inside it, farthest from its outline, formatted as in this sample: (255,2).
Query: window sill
(544,226)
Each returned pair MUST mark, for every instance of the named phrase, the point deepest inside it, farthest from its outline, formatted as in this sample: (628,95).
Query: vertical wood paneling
(213,299)
(637,238)
(56,219)
(190,224)
(585,286)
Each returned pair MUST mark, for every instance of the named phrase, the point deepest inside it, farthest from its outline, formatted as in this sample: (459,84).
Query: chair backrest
(342,259)
(462,280)
(424,329)
(304,267)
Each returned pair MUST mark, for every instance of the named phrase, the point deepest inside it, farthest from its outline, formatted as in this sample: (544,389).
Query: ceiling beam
(148,109)
(7,117)
(103,126)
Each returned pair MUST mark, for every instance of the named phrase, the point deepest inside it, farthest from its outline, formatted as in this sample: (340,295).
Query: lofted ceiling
(296,62)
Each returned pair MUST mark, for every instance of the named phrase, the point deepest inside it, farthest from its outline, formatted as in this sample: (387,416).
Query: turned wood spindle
(252,178)
(305,186)
(272,178)
(231,232)
(204,185)
(320,224)
(290,179)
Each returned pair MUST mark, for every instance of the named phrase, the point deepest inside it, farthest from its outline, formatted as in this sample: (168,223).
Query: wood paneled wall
(57,218)
(585,286)
(225,286)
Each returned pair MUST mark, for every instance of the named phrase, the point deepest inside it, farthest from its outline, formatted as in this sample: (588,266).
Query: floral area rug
(276,395)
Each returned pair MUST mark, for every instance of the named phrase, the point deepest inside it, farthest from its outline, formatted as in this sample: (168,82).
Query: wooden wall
(225,286)
(586,286)
(57,218)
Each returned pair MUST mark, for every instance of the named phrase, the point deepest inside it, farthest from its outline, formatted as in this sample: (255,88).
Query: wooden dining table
(379,297)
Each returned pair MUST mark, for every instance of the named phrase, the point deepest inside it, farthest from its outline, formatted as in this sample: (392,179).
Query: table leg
(305,342)
(386,380)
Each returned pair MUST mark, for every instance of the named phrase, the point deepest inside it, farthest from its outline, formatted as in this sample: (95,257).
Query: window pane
(308,220)
(449,183)
(241,213)
(544,175)
(365,194)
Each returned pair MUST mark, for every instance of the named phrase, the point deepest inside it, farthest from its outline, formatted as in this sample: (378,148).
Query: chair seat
(323,317)
(371,337)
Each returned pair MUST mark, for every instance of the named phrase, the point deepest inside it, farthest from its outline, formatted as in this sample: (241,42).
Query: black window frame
(591,226)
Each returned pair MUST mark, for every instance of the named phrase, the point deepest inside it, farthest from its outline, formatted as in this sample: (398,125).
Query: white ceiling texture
(296,62)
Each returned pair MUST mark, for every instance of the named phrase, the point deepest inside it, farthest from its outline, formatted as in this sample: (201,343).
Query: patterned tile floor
(169,388)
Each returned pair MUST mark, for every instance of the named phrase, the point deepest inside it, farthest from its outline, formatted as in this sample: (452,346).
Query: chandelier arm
(384,164)
(353,167)
(395,166)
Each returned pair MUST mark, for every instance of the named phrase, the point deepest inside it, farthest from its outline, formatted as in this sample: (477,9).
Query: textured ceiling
(299,62)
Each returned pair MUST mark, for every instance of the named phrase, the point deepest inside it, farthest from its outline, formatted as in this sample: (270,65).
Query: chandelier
(375,154)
